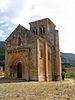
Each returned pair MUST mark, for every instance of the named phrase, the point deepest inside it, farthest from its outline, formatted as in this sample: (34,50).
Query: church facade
(33,55)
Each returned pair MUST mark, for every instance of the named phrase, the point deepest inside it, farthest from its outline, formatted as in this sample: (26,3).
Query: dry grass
(38,90)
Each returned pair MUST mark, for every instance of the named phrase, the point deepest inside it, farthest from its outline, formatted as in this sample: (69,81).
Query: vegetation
(2,56)
(68,73)
(68,63)
(2,53)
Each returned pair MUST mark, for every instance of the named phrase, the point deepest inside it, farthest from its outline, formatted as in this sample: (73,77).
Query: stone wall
(24,52)
(36,50)
(44,60)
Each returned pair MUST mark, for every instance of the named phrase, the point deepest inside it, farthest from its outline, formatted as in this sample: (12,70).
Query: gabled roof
(18,29)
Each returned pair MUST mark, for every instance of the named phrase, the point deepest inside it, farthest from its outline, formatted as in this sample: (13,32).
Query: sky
(61,12)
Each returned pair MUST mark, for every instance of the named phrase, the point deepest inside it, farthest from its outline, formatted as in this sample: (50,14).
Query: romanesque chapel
(33,55)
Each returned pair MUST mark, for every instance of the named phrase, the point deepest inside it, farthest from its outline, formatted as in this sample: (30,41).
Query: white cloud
(1,21)
(5,25)
(4,5)
(32,10)
(1,33)
(10,9)
(15,8)
(11,28)
(4,36)
(61,12)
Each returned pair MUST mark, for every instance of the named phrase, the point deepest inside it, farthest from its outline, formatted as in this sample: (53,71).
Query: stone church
(33,55)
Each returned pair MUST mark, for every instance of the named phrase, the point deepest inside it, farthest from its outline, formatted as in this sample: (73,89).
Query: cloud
(11,28)
(15,9)
(2,4)
(1,21)
(1,33)
(5,29)
(10,9)
(61,12)
(4,36)
(5,25)
(33,10)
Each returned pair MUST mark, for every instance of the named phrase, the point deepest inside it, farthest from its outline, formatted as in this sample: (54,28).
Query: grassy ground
(64,90)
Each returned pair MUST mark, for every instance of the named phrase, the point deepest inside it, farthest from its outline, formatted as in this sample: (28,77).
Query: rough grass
(38,90)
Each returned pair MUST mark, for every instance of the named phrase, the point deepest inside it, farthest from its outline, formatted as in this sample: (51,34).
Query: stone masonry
(34,54)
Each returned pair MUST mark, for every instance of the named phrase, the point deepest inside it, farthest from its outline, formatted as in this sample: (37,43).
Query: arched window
(43,29)
(48,55)
(40,30)
(35,30)
(19,41)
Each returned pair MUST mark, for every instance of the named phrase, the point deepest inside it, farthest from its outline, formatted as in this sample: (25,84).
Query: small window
(19,41)
(40,30)
(43,29)
(35,31)
(48,55)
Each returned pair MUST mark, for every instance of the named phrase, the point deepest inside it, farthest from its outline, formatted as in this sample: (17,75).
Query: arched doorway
(19,70)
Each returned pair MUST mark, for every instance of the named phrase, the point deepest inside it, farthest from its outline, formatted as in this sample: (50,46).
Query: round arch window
(19,41)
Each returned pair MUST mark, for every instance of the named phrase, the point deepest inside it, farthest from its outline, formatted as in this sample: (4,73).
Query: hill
(2,44)
(68,56)
(2,53)
(2,49)
(68,59)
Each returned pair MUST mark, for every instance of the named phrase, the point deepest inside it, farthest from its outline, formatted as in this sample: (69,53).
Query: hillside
(2,53)
(68,58)
(2,44)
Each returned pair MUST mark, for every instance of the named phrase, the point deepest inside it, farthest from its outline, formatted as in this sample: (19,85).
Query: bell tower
(45,28)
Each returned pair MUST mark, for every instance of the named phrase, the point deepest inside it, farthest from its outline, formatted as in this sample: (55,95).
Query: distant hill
(68,58)
(2,49)
(2,44)
(2,53)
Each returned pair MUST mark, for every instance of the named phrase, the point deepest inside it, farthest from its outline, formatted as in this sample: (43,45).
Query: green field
(64,90)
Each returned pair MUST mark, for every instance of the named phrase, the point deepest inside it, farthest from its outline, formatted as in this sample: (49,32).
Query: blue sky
(61,12)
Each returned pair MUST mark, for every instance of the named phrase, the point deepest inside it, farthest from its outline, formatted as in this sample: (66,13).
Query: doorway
(19,70)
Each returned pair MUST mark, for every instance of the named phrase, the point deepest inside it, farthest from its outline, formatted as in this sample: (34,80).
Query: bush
(70,75)
(63,73)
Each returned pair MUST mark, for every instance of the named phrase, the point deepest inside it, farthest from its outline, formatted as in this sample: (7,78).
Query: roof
(18,28)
